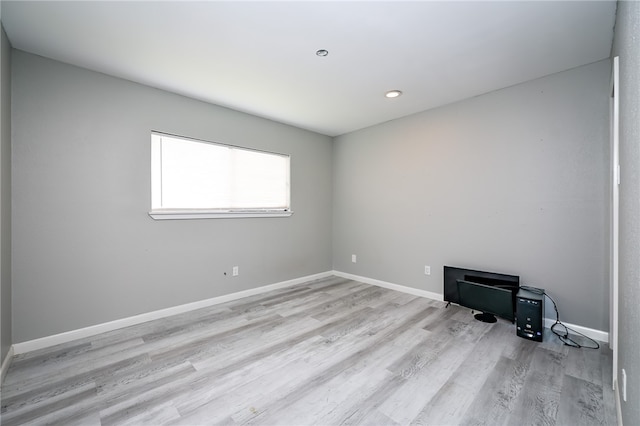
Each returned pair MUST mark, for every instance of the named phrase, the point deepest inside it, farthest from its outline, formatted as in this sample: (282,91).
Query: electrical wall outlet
(235,272)
(427,270)
(353,258)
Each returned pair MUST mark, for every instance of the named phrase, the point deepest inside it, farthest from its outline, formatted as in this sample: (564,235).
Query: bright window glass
(189,174)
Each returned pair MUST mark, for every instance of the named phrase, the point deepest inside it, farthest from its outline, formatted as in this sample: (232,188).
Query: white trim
(599,335)
(56,339)
(6,363)
(203,214)
(618,404)
(391,286)
(615,213)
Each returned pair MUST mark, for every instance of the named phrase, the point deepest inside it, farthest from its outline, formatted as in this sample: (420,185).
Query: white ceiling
(259,57)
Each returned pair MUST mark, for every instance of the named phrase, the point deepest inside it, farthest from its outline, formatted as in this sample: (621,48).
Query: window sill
(212,214)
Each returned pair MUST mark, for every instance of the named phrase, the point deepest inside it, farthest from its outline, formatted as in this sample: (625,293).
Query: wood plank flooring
(329,352)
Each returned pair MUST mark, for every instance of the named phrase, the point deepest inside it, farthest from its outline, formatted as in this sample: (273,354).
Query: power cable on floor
(563,334)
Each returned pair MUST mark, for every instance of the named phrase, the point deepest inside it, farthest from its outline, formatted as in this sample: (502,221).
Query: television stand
(485,317)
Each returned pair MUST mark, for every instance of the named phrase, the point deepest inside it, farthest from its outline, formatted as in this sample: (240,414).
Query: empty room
(320,212)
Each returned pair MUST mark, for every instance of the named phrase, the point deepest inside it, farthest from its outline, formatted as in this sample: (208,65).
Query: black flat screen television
(489,300)
(510,283)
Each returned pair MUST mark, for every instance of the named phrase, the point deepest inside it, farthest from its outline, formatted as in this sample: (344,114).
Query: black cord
(562,335)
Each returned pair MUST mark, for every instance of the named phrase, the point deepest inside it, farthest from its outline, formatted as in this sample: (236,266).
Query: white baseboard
(56,339)
(599,335)
(6,363)
(391,286)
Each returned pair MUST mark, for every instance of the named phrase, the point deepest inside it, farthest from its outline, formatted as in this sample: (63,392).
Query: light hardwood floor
(329,352)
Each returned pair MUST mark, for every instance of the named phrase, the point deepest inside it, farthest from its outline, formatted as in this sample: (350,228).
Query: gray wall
(5,196)
(627,47)
(513,181)
(84,249)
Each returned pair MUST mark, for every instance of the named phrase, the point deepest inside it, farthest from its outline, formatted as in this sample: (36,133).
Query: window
(192,179)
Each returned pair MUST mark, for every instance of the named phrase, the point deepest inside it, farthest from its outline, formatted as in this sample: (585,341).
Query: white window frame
(159,213)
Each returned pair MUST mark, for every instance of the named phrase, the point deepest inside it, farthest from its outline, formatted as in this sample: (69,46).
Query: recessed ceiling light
(322,52)
(393,93)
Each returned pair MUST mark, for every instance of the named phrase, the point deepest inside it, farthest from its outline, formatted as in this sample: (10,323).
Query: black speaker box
(530,315)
